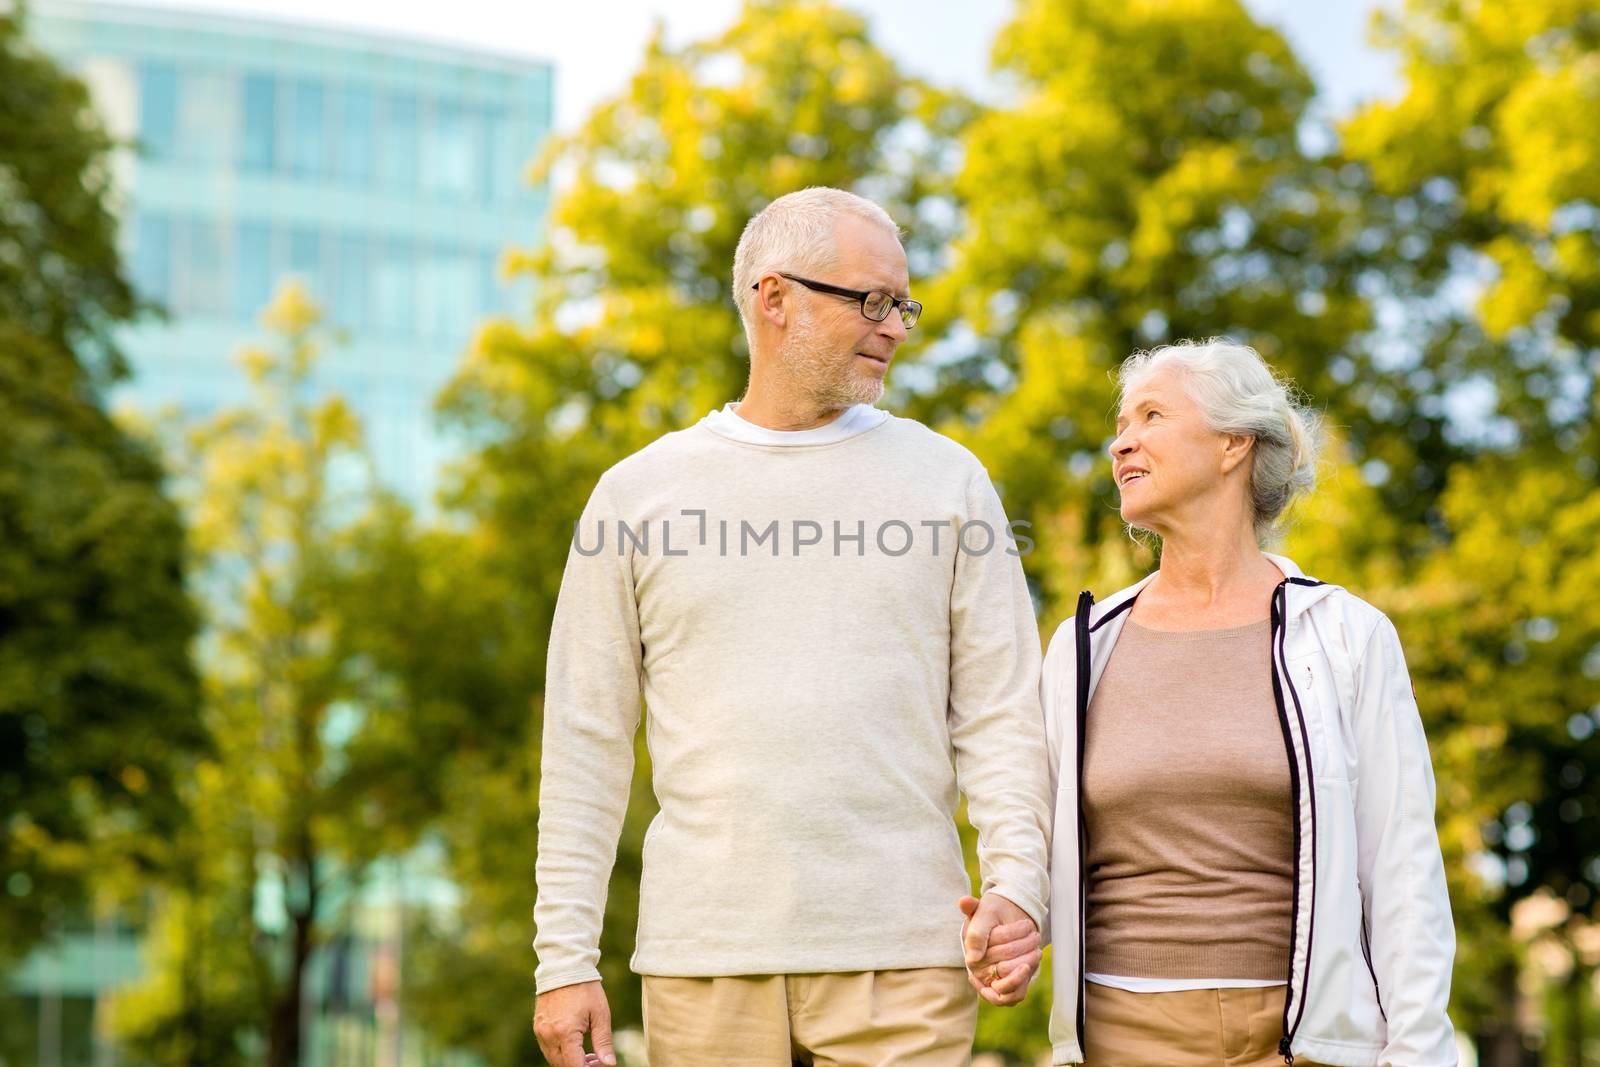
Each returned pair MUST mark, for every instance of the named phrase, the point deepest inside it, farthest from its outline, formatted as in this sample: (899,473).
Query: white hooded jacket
(1373,941)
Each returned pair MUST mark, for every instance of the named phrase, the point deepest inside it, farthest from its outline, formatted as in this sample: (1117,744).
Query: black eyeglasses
(875,304)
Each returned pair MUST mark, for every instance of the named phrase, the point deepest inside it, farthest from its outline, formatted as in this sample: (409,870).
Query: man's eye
(1151,415)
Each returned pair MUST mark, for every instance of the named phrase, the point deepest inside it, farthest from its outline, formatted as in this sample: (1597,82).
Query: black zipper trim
(1366,952)
(1294,793)
(1311,791)
(1113,613)
(1280,681)
(1081,630)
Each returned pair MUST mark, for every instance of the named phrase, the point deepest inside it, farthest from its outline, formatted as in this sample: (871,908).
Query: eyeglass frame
(895,303)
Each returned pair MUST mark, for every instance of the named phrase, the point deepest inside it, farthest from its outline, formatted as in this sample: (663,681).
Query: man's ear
(769,301)
(1236,449)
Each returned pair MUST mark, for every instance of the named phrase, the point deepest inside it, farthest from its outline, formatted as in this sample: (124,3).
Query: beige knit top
(1187,803)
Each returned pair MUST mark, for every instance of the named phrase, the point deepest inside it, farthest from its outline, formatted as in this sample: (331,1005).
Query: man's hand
(1002,948)
(562,1016)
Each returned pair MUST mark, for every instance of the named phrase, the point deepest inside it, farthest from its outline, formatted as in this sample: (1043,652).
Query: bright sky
(596,45)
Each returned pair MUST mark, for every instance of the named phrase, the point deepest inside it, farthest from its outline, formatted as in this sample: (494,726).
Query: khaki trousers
(913,1018)
(1188,1028)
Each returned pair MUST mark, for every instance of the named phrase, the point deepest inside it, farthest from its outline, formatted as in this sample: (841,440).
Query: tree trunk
(285,1037)
(1577,986)
(1500,1044)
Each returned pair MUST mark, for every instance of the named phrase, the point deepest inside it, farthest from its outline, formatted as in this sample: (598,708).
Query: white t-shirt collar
(727,422)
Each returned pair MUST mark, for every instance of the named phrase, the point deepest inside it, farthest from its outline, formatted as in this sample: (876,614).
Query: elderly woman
(1245,867)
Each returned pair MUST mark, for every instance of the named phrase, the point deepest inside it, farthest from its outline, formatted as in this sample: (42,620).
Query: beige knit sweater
(824,672)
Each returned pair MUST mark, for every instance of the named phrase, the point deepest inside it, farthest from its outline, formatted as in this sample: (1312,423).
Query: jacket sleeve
(1057,699)
(591,713)
(995,725)
(1404,896)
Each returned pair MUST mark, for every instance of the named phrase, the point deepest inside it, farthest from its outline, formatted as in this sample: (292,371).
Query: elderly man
(822,607)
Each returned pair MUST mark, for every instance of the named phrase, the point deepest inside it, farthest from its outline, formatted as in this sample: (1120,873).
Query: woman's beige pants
(1189,1028)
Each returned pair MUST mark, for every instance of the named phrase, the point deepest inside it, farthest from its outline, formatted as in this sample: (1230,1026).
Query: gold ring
(994,974)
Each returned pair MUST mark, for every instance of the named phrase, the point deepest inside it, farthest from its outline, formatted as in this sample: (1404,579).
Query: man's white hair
(794,234)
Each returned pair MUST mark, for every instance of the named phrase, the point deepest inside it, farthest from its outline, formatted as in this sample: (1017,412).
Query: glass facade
(387,174)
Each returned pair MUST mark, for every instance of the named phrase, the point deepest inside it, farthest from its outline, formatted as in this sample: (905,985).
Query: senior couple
(1213,797)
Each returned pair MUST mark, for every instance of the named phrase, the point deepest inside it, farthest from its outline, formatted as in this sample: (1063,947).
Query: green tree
(1494,146)
(1504,641)
(98,696)
(293,803)
(1493,143)
(1150,181)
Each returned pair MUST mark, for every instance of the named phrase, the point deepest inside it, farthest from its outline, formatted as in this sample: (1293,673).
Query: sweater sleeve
(1404,897)
(591,713)
(996,725)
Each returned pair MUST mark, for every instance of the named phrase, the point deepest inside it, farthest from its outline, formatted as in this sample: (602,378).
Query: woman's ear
(1235,450)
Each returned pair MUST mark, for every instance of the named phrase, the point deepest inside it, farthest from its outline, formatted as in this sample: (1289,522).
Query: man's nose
(894,327)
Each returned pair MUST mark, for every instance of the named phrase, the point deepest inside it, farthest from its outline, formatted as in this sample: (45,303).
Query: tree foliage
(98,697)
(1146,184)
(294,801)
(1494,145)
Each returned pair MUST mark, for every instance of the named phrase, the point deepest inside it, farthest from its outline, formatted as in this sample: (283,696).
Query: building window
(394,285)
(354,140)
(200,254)
(350,292)
(491,295)
(158,109)
(430,292)
(461,295)
(152,257)
(205,117)
(307,158)
(305,261)
(253,270)
(259,139)
(399,146)
(495,175)
(450,154)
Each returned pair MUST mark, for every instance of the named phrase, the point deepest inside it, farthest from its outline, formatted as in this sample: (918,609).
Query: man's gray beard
(826,384)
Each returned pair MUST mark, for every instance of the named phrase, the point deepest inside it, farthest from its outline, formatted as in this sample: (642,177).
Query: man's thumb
(977,939)
(601,1036)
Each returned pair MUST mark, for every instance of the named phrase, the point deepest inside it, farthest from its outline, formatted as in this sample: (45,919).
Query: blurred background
(319,321)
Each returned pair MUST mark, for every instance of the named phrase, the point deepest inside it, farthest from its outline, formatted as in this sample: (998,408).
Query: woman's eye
(1151,415)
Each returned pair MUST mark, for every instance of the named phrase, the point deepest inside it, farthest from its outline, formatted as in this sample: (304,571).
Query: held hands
(1002,948)
(562,1016)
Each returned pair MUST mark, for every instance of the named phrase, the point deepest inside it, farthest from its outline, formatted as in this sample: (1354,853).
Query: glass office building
(388,174)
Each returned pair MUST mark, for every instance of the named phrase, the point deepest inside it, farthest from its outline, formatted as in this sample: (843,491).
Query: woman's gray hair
(1237,393)
(794,233)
